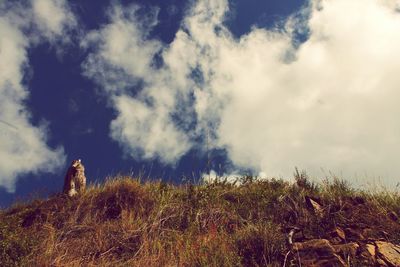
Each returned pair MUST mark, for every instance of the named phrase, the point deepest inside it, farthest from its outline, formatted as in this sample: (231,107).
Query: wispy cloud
(53,17)
(23,147)
(123,60)
(328,103)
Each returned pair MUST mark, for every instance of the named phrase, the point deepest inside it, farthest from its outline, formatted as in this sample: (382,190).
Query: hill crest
(253,223)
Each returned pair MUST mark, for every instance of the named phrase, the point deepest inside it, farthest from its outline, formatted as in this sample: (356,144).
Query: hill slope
(257,223)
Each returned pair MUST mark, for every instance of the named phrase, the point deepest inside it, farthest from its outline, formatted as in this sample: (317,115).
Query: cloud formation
(123,59)
(329,103)
(23,147)
(332,107)
(53,17)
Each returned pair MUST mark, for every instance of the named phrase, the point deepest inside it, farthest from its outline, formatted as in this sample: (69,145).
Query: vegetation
(126,222)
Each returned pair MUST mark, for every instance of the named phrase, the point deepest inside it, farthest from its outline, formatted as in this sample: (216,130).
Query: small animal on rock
(75,179)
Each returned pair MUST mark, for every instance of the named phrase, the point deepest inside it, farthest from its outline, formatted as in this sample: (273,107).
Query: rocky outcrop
(388,252)
(317,252)
(347,245)
(321,253)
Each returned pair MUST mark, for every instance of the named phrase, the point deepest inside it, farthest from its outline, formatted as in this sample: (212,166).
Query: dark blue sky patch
(184,116)
(90,14)
(269,14)
(78,112)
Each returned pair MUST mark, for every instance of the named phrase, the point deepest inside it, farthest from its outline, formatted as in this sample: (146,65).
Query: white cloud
(331,105)
(147,131)
(53,17)
(23,146)
(124,57)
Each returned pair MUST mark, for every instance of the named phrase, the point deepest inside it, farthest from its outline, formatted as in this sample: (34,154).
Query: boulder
(388,252)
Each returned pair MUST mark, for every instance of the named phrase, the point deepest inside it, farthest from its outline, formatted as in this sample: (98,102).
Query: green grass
(125,222)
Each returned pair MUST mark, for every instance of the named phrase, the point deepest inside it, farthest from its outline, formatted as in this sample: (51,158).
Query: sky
(179,90)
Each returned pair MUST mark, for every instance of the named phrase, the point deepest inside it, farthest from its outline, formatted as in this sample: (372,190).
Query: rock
(388,252)
(381,263)
(319,244)
(317,253)
(367,255)
(75,179)
(371,249)
(314,206)
(337,236)
(349,249)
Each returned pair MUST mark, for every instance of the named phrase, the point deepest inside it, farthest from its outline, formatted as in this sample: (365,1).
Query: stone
(75,179)
(331,261)
(319,244)
(349,249)
(371,249)
(337,236)
(317,253)
(314,206)
(368,254)
(381,263)
(388,252)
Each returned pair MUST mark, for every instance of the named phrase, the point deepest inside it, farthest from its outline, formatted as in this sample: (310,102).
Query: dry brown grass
(128,223)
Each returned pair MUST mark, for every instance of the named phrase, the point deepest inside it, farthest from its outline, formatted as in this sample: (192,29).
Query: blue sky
(173,89)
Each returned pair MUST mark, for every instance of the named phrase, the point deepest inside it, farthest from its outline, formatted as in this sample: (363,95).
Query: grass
(125,222)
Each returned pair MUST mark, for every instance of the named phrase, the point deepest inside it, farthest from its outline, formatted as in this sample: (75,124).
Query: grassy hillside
(130,223)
